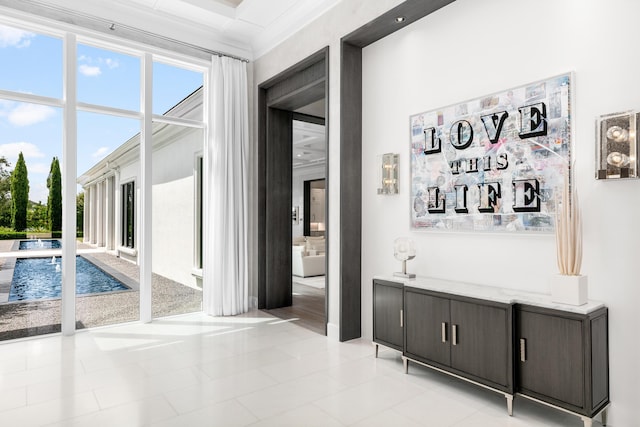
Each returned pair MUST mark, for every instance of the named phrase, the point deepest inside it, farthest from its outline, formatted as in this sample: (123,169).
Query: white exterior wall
(129,173)
(173,211)
(469,49)
(173,206)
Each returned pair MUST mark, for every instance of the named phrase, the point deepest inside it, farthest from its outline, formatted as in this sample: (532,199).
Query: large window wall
(31,142)
(112,115)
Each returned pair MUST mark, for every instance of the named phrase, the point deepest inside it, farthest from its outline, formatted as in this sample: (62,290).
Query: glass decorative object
(617,145)
(404,250)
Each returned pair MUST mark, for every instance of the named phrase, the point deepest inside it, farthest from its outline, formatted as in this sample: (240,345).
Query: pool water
(37,278)
(30,245)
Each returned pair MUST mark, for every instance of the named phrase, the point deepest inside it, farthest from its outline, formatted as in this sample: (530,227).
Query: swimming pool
(30,245)
(37,278)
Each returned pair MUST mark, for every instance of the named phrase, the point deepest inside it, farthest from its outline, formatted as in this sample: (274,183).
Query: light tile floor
(250,370)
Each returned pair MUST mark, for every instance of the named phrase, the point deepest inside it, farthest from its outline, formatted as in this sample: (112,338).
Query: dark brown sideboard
(512,342)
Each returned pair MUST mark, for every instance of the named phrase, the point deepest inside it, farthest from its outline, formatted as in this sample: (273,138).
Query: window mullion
(145,218)
(69,153)
(30,98)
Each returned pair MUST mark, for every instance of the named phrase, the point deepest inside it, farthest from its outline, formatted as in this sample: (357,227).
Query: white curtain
(225,271)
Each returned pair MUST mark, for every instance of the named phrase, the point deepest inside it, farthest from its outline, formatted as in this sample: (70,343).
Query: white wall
(128,173)
(173,210)
(327,30)
(469,49)
(173,203)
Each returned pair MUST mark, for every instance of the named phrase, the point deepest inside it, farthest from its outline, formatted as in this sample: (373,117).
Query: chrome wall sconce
(617,145)
(388,173)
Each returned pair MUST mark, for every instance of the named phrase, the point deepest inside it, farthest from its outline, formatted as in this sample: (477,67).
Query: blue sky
(104,78)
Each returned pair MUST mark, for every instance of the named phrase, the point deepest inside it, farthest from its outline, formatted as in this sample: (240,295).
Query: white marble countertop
(492,293)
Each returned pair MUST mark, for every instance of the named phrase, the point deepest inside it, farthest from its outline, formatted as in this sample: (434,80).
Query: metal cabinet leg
(405,364)
(603,416)
(376,346)
(509,398)
(588,422)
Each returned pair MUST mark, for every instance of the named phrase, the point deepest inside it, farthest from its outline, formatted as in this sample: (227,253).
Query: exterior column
(85,215)
(117,212)
(92,219)
(109,236)
(100,214)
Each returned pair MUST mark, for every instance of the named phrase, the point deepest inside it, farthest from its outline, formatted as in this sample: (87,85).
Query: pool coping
(16,245)
(6,278)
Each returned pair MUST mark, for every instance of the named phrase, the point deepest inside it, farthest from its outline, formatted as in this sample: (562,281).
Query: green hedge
(11,235)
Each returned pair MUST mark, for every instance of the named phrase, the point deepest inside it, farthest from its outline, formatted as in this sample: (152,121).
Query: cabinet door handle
(444,332)
(454,334)
(523,350)
(401,318)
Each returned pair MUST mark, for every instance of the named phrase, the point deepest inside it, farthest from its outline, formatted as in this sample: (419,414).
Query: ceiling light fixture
(400,19)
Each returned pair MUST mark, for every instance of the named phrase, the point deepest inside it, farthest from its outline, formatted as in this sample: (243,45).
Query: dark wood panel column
(278,208)
(351,151)
(350,191)
(262,198)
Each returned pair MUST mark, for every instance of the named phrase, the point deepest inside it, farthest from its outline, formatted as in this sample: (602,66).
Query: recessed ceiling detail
(261,24)
(309,145)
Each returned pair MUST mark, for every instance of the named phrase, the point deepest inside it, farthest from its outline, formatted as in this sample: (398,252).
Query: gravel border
(21,319)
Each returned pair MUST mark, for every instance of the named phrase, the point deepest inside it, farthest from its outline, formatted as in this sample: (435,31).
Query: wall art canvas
(494,163)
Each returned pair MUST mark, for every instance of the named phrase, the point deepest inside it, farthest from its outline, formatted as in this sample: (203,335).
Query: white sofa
(308,257)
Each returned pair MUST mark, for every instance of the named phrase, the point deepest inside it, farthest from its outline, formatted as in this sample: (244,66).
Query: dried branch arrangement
(569,229)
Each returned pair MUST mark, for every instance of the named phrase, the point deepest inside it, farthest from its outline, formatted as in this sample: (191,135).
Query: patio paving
(30,318)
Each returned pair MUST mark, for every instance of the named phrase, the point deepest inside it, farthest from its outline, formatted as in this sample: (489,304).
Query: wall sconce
(388,176)
(617,145)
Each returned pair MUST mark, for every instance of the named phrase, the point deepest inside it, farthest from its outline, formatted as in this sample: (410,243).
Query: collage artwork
(495,163)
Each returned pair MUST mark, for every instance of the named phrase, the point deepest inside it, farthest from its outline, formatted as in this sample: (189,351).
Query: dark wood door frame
(350,272)
(306,221)
(300,85)
(351,152)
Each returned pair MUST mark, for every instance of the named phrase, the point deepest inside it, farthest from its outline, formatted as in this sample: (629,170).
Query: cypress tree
(19,195)
(54,204)
(5,193)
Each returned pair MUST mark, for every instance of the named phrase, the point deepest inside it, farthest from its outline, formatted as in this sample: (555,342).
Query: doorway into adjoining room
(308,200)
(292,152)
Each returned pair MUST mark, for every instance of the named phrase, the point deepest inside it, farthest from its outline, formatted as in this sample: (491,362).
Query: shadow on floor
(308,309)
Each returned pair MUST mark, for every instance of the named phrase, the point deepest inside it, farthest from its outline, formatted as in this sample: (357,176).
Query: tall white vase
(572,290)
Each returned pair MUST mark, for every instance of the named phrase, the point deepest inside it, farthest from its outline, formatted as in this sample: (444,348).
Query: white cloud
(100,153)
(14,37)
(29,151)
(89,70)
(5,106)
(111,63)
(92,67)
(21,114)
